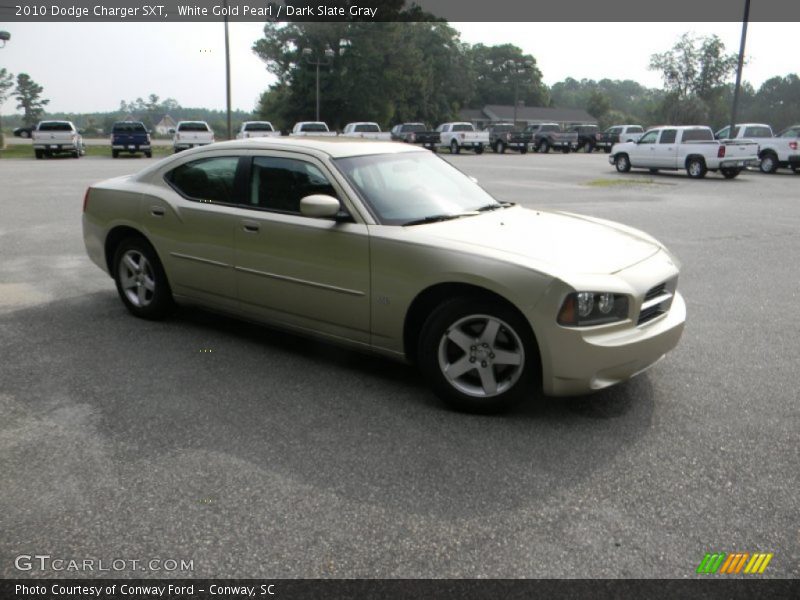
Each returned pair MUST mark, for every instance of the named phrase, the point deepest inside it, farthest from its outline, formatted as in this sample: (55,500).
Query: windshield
(314,127)
(408,186)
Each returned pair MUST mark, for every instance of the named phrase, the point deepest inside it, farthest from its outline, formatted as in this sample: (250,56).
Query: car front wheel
(478,356)
(623,163)
(141,282)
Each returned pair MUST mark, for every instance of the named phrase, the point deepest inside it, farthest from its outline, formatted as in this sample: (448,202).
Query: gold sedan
(388,248)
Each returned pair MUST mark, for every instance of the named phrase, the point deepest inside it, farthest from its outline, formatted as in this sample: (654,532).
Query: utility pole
(735,107)
(318,62)
(227,71)
(4,37)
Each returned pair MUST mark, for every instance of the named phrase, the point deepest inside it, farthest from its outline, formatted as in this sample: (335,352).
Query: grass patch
(617,182)
(26,151)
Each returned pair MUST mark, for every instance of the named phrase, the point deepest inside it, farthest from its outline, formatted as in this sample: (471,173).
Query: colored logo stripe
(732,564)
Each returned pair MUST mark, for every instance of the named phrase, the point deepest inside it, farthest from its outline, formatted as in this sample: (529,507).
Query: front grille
(657,301)
(655,292)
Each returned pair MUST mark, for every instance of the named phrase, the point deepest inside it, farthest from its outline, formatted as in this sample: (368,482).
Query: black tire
(133,283)
(653,171)
(39,154)
(796,170)
(500,148)
(115,154)
(607,149)
(566,150)
(730,173)
(148,154)
(588,147)
(523,149)
(544,147)
(454,148)
(470,317)
(622,163)
(769,163)
(696,167)
(76,154)
(479,149)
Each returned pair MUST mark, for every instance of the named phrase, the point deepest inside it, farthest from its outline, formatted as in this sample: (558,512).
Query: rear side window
(668,136)
(192,127)
(414,127)
(614,130)
(280,183)
(206,180)
(759,132)
(697,135)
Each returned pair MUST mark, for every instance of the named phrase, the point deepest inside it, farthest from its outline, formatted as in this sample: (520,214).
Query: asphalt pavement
(254,453)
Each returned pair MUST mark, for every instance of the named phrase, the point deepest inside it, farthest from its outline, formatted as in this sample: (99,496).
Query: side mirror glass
(319,206)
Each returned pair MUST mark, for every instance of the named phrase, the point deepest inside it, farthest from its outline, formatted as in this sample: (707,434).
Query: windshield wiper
(437,218)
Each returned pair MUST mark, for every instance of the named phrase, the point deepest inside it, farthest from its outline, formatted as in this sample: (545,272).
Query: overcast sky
(98,64)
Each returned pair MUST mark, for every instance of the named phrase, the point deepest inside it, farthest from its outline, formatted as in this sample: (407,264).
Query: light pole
(735,106)
(314,60)
(516,68)
(4,37)
(227,71)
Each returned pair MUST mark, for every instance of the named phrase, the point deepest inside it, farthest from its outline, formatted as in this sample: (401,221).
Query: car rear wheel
(607,149)
(148,154)
(769,163)
(523,149)
(115,154)
(478,356)
(588,147)
(39,154)
(696,168)
(730,173)
(622,163)
(544,147)
(500,148)
(479,149)
(454,149)
(141,282)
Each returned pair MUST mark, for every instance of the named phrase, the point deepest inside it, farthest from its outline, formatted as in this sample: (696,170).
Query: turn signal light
(721,151)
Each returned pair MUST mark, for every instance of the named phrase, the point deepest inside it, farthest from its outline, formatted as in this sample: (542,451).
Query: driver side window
(279,184)
(649,137)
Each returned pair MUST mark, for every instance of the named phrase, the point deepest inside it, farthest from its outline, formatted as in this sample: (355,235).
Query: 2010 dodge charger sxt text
(387,247)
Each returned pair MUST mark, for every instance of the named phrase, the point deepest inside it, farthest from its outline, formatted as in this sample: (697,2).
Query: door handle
(250,226)
(157,211)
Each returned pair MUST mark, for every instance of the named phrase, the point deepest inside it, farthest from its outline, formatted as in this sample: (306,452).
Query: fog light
(585,304)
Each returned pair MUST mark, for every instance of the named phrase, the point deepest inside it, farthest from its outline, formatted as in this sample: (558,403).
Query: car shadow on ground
(359,426)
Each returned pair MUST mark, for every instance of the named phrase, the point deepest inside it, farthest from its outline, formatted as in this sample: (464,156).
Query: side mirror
(319,206)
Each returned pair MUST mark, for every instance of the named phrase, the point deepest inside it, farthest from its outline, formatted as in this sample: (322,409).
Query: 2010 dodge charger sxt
(387,247)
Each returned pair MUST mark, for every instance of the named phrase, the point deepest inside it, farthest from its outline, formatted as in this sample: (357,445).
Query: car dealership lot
(256,453)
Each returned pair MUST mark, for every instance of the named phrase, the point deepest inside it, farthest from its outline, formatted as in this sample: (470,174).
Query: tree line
(420,71)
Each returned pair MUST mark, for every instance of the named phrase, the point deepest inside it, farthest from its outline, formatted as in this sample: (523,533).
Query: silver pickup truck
(57,137)
(685,147)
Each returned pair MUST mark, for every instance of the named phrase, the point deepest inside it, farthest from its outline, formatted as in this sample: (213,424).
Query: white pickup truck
(774,152)
(685,147)
(57,137)
(366,130)
(462,135)
(256,129)
(189,134)
(315,128)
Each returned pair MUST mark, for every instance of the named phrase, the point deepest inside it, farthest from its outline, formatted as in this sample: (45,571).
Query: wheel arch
(428,299)
(116,236)
(693,156)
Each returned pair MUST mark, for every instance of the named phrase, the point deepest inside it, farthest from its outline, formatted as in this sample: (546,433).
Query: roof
(500,112)
(335,147)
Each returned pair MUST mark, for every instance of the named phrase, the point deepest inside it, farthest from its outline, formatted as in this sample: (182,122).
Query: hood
(564,241)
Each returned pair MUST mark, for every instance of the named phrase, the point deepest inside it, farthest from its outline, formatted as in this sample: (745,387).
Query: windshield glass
(408,186)
(314,127)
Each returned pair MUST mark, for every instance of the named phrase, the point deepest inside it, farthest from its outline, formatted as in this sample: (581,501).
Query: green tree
(695,72)
(28,94)
(598,104)
(385,72)
(6,83)
(503,72)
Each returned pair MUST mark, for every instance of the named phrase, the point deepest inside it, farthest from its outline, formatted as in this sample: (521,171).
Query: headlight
(581,309)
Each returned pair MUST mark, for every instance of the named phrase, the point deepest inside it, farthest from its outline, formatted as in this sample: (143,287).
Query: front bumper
(581,360)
